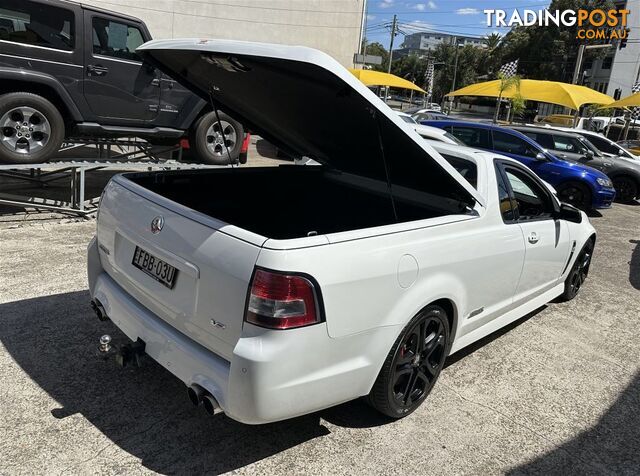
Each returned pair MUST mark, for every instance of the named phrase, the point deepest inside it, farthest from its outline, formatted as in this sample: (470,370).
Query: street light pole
(394,25)
(580,58)
(576,71)
(455,69)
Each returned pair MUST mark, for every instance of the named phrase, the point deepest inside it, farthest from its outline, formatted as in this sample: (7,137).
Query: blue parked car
(577,184)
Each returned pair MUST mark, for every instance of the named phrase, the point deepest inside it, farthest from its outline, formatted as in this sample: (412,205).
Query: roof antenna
(224,139)
(386,167)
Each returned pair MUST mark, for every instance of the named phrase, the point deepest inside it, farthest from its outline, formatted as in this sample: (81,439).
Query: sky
(464,17)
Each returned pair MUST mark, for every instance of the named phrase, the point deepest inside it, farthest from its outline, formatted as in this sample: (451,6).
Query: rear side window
(544,140)
(603,145)
(37,24)
(466,168)
(116,39)
(510,144)
(471,136)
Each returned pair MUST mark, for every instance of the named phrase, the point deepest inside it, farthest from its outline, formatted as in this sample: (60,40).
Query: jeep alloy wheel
(25,130)
(31,128)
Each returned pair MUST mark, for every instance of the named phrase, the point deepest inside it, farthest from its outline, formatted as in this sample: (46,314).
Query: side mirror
(540,156)
(620,152)
(589,155)
(569,213)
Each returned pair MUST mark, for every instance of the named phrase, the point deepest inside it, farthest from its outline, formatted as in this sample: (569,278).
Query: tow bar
(131,353)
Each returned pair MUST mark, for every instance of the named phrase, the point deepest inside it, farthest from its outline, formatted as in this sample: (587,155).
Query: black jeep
(70,71)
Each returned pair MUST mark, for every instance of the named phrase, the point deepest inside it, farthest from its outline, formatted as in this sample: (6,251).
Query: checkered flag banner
(635,111)
(428,78)
(509,69)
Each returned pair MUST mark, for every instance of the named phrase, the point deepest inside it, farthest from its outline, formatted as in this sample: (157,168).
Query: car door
(570,148)
(547,239)
(118,87)
(528,154)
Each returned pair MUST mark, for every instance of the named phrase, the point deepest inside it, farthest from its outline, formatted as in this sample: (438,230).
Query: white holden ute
(273,292)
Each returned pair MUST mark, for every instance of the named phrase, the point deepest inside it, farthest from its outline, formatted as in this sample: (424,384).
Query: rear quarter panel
(385,280)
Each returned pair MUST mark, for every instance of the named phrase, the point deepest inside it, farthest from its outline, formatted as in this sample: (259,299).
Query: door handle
(533,238)
(97,70)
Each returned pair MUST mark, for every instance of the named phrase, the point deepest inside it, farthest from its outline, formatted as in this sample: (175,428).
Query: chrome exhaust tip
(211,404)
(195,393)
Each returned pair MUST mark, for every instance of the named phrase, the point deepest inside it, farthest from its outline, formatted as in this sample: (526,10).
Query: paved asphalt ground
(556,393)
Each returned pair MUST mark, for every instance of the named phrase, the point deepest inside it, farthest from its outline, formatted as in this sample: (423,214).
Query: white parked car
(603,143)
(278,291)
(429,132)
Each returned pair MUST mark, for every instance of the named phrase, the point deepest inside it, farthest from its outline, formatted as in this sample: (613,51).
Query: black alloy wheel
(413,365)
(575,194)
(626,189)
(579,272)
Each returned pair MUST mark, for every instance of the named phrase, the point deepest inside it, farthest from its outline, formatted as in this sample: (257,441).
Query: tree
(506,83)
(549,52)
(492,42)
(411,68)
(376,49)
(470,59)
(518,106)
(493,55)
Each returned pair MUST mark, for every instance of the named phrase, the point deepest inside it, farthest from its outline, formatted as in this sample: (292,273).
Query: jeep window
(37,24)
(115,39)
(504,142)
(471,136)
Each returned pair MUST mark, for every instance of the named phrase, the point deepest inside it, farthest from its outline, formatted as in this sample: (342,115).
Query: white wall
(626,64)
(332,26)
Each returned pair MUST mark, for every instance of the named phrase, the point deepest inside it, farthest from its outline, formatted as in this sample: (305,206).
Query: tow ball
(131,354)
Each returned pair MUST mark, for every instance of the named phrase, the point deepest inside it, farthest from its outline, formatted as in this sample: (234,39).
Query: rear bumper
(603,198)
(272,375)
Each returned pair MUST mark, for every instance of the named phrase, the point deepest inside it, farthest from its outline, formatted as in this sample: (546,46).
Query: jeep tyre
(31,129)
(208,138)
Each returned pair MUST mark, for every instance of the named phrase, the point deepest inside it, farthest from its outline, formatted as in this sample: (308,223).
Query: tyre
(216,143)
(413,364)
(626,189)
(578,274)
(576,194)
(31,129)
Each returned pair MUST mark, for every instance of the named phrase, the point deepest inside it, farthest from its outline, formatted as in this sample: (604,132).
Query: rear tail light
(281,301)
(244,150)
(245,143)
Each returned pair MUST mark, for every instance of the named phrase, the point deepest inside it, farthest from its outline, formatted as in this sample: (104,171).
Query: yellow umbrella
(629,101)
(377,78)
(564,94)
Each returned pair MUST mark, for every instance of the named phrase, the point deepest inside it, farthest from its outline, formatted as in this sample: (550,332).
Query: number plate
(155,267)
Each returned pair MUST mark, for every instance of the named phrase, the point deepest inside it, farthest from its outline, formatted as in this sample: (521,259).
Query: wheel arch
(43,85)
(451,309)
(635,177)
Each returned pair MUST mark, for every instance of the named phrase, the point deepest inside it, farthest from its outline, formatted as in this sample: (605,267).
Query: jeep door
(119,87)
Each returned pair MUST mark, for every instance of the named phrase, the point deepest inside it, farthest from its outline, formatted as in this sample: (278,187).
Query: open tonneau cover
(306,103)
